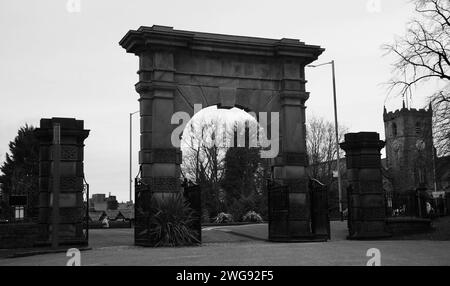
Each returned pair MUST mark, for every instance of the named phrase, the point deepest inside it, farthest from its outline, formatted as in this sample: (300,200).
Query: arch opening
(221,154)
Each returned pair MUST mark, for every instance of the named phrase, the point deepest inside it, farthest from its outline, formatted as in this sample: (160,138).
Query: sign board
(437,195)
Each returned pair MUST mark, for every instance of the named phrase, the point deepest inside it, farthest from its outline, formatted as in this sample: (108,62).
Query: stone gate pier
(366,203)
(71,209)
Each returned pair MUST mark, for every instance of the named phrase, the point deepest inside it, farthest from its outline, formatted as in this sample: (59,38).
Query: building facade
(99,202)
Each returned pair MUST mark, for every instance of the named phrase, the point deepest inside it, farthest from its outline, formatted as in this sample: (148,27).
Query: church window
(418,128)
(394,129)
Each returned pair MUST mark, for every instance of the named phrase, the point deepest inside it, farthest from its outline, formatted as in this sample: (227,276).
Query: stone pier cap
(362,140)
(137,41)
(69,126)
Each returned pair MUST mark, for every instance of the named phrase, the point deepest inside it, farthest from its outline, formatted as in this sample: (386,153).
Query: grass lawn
(441,231)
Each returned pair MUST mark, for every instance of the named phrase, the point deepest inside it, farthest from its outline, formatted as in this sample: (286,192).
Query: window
(19,212)
(418,128)
(394,129)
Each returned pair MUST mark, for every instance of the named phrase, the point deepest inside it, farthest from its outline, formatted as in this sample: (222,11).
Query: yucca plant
(252,216)
(171,222)
(223,218)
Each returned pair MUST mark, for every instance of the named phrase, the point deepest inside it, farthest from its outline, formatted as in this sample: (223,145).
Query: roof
(128,213)
(113,214)
(96,215)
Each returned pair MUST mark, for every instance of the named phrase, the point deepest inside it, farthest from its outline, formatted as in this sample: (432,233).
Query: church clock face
(420,144)
(396,145)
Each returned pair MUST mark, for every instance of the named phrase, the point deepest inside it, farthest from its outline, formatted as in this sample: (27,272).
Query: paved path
(114,247)
(258,232)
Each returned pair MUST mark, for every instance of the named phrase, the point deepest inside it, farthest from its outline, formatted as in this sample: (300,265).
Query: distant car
(4,221)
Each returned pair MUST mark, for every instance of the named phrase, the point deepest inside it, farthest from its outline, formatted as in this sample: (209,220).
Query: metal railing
(408,204)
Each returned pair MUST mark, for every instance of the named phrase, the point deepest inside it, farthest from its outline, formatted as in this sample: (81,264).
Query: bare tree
(203,160)
(321,148)
(440,103)
(203,152)
(423,54)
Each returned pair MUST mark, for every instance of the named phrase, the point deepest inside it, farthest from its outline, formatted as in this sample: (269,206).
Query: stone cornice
(294,98)
(136,41)
(362,140)
(144,86)
(69,127)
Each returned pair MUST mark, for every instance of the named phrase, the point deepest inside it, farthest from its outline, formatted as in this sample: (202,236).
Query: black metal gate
(278,206)
(192,194)
(143,196)
(320,221)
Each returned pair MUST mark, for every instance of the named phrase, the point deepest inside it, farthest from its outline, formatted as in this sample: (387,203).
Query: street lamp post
(337,134)
(131,154)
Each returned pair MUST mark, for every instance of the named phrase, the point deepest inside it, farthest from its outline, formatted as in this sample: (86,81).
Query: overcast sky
(54,63)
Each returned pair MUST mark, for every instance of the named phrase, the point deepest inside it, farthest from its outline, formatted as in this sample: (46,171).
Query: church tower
(409,148)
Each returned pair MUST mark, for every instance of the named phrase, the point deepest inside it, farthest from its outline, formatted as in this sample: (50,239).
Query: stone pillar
(290,166)
(71,202)
(366,202)
(159,159)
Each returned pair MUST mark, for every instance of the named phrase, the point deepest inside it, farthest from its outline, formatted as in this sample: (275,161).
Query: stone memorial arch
(178,69)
